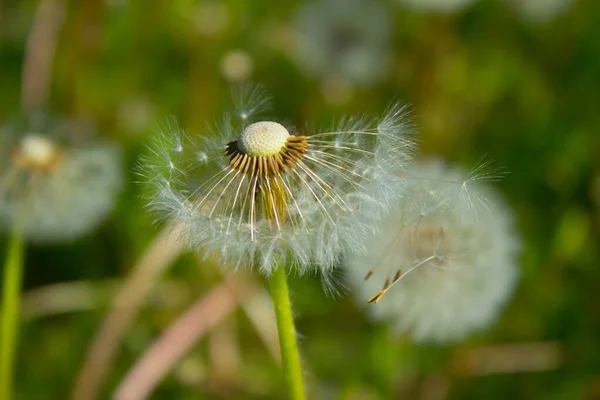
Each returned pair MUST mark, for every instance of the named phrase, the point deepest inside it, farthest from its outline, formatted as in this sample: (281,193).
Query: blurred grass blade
(162,252)
(66,297)
(259,310)
(70,297)
(509,358)
(225,355)
(186,331)
(39,53)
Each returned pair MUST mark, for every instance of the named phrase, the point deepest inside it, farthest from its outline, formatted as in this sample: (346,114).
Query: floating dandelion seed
(52,188)
(253,191)
(439,268)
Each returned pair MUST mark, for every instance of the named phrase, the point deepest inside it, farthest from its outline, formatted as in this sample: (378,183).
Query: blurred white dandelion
(349,39)
(52,186)
(437,6)
(445,262)
(253,191)
(540,10)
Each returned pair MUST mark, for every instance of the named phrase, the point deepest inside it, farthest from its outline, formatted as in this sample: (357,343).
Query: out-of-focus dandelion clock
(540,10)
(345,38)
(257,193)
(444,263)
(51,186)
(437,6)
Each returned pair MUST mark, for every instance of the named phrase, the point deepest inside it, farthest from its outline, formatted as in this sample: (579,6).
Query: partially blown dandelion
(445,262)
(257,193)
(53,187)
(252,191)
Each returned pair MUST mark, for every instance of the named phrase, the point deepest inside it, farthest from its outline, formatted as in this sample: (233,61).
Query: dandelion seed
(453,266)
(201,157)
(52,187)
(267,191)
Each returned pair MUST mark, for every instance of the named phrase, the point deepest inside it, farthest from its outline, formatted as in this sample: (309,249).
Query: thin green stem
(13,271)
(290,358)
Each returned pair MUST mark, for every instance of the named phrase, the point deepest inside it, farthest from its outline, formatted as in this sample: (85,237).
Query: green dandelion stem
(13,271)
(288,344)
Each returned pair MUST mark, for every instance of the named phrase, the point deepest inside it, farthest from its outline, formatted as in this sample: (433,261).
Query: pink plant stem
(187,330)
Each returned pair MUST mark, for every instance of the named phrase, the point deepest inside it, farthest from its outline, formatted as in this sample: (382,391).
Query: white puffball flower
(445,261)
(255,192)
(540,10)
(350,39)
(437,6)
(53,189)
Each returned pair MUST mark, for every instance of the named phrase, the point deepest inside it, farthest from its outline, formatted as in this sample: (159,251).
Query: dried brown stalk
(162,252)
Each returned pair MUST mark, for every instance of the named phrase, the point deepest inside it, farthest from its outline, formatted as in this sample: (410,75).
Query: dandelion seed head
(269,193)
(36,151)
(436,270)
(263,138)
(52,184)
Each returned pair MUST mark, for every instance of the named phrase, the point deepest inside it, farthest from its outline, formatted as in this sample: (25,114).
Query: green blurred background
(484,80)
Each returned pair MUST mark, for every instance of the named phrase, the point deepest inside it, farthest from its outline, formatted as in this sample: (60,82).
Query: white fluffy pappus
(255,193)
(53,185)
(445,262)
